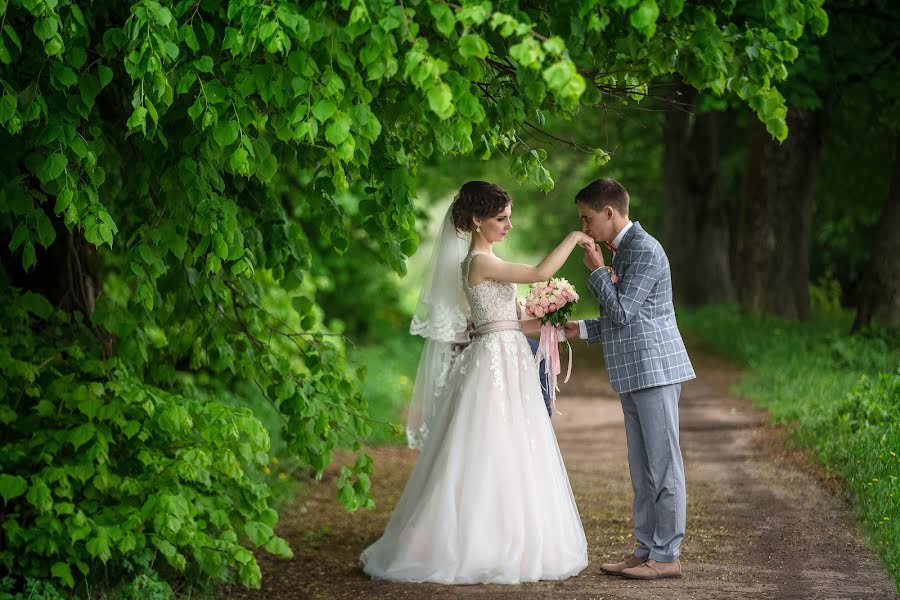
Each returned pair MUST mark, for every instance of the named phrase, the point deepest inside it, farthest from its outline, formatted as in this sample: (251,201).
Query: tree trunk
(776,220)
(880,287)
(68,274)
(696,218)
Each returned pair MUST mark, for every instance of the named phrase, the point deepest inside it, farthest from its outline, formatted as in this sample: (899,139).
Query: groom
(647,362)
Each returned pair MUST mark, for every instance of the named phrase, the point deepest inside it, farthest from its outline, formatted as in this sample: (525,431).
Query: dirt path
(762,523)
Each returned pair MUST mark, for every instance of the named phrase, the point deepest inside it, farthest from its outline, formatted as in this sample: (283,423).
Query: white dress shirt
(582,328)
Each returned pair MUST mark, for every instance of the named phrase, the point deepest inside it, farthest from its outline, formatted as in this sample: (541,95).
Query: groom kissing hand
(647,363)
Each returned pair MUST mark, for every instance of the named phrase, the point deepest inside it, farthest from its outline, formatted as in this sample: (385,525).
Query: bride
(489,500)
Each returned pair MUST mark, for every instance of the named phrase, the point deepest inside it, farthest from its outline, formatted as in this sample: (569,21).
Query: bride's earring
(478,229)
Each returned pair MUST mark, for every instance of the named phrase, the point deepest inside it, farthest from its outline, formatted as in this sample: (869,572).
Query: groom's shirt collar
(622,233)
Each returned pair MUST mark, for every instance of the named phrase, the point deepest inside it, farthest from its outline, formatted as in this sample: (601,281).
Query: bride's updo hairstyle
(478,200)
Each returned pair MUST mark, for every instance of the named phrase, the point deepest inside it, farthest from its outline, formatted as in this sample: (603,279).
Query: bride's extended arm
(488,267)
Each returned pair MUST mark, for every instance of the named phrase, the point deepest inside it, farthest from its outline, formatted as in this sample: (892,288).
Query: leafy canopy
(182,157)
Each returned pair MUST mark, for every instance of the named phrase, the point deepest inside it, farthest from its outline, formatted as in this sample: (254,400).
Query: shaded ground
(762,522)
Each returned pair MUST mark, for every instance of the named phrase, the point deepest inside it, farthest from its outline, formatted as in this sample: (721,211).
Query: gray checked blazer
(641,342)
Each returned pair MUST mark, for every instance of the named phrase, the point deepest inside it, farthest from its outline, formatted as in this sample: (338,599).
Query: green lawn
(842,392)
(390,372)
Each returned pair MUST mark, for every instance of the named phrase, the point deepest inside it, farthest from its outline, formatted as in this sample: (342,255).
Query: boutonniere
(613,276)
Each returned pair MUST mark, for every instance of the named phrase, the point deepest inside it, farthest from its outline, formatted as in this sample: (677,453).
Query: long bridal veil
(441,317)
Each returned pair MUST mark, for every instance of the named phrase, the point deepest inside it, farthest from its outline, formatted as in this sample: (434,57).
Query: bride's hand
(582,239)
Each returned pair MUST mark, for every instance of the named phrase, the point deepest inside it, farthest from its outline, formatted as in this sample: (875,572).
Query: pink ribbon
(548,351)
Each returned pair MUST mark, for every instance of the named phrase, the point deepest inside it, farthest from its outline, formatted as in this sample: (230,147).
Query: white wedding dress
(489,500)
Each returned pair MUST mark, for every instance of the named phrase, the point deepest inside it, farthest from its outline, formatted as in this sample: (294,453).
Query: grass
(391,363)
(841,392)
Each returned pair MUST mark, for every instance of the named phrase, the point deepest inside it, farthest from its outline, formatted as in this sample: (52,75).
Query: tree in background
(843,92)
(173,172)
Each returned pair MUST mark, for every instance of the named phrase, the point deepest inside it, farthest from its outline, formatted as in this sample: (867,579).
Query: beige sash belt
(495,326)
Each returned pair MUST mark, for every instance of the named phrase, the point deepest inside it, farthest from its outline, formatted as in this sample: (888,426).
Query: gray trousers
(657,471)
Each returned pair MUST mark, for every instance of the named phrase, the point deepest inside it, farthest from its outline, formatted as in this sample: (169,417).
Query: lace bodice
(489,300)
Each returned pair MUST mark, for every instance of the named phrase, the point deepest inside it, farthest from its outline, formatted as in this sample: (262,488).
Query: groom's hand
(572,330)
(593,257)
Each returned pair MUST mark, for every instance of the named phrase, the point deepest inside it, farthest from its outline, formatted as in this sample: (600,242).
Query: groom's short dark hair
(604,192)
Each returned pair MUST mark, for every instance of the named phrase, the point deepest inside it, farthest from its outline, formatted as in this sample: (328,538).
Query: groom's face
(597,224)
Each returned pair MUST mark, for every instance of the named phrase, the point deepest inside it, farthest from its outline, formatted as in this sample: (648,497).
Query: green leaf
(105,74)
(162,16)
(13,36)
(37,305)
(98,546)
(76,57)
(138,119)
(672,8)
(474,14)
(472,45)
(171,50)
(19,236)
(240,266)
(11,487)
(644,18)
(444,20)
(259,533)
(204,64)
(62,572)
(52,167)
(338,130)
(46,28)
(279,548)
(39,495)
(7,107)
(238,161)
(63,200)
(219,246)
(242,555)
(558,75)
(226,132)
(440,100)
(106,234)
(81,435)
(324,109)
(88,88)
(45,232)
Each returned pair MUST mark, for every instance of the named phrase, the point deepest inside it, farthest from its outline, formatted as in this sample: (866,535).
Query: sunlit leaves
(440,100)
(472,45)
(200,154)
(644,17)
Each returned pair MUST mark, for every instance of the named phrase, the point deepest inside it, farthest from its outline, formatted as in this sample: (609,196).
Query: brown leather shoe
(617,568)
(654,570)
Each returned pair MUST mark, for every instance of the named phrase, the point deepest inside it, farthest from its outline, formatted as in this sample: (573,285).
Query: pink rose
(551,308)
(545,302)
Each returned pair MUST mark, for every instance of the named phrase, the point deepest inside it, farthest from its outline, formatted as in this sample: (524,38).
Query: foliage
(119,472)
(840,390)
(172,173)
(34,589)
(851,75)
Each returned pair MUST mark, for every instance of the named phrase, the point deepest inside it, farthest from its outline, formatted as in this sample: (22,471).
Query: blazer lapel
(629,236)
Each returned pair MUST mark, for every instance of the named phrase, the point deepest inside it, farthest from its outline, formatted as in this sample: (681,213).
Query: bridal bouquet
(552,302)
